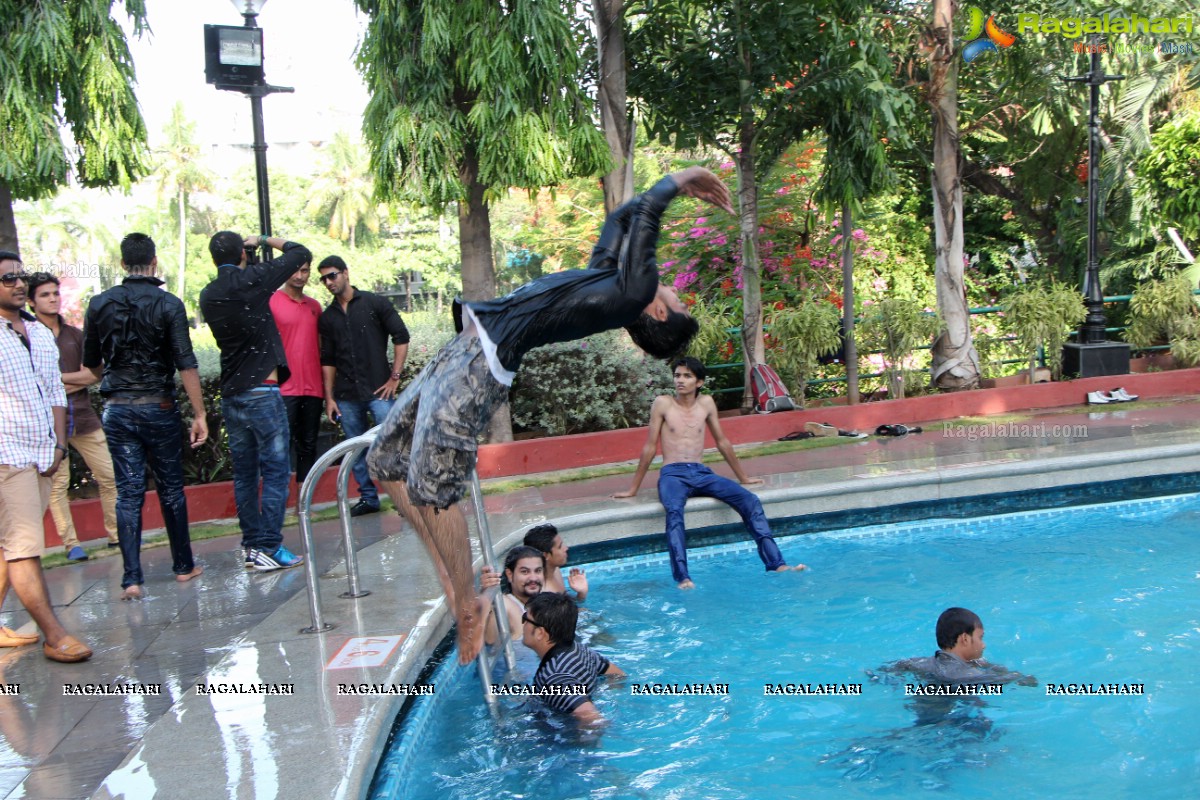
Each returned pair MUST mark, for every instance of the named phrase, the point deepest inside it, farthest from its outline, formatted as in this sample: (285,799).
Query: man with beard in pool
(425,450)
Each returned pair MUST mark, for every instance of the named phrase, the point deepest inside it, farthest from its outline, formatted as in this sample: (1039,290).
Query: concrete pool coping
(319,743)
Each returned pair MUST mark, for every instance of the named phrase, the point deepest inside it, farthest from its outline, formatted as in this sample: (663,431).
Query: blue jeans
(256,422)
(137,435)
(678,482)
(355,423)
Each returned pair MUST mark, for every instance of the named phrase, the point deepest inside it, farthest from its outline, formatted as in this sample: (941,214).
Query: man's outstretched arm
(657,415)
(724,447)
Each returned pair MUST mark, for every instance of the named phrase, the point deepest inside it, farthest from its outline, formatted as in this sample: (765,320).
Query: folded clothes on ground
(896,430)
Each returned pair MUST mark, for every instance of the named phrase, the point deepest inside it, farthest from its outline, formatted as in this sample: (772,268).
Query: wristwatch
(395,376)
(60,447)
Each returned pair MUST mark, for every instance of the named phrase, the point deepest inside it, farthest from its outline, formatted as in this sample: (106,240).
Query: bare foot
(133,592)
(687,584)
(786,568)
(471,631)
(195,573)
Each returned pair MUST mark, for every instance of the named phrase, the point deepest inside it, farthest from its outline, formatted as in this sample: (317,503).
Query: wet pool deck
(235,627)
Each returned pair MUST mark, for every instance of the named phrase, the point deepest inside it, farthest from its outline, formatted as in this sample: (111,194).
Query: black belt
(150,400)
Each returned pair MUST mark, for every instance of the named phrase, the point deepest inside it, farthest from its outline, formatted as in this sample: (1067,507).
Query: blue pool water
(1102,594)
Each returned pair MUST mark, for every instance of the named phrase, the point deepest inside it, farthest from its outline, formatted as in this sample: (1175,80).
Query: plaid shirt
(30,385)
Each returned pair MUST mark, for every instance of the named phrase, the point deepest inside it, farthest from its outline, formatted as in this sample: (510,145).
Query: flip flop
(794,435)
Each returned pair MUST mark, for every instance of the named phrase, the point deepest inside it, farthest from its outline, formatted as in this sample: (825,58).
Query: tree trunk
(849,349)
(181,199)
(8,223)
(752,332)
(478,271)
(615,121)
(955,362)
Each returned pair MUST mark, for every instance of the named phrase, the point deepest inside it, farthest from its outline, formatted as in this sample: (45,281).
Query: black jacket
(612,292)
(140,334)
(237,308)
(354,341)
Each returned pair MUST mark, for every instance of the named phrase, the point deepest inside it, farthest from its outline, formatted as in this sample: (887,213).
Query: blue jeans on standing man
(355,423)
(677,482)
(140,434)
(256,422)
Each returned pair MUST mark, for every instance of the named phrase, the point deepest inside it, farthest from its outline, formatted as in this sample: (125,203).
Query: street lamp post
(234,63)
(1092,354)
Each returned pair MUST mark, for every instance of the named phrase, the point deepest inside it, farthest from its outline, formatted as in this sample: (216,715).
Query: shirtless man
(680,421)
(546,539)
(425,450)
(524,569)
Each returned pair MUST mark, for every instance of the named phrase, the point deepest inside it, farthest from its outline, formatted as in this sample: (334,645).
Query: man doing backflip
(425,450)
(680,422)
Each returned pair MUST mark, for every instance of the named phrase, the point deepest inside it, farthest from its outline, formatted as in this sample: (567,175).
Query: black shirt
(237,307)
(575,665)
(354,341)
(620,281)
(140,334)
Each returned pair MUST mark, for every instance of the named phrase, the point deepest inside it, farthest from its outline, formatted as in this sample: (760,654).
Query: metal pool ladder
(352,449)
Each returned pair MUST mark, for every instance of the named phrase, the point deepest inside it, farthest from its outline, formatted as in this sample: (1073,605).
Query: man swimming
(425,450)
(679,422)
(959,659)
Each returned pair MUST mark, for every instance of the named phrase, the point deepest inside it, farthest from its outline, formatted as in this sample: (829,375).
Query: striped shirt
(572,665)
(30,385)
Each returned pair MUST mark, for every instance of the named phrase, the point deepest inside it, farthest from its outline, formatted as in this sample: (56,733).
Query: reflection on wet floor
(230,623)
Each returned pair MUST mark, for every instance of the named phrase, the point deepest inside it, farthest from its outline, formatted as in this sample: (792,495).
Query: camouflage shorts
(429,437)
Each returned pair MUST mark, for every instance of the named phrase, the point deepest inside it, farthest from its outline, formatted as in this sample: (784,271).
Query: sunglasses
(11,278)
(328,276)
(525,618)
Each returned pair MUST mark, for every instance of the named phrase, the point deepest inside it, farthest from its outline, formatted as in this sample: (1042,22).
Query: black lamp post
(234,63)
(1092,354)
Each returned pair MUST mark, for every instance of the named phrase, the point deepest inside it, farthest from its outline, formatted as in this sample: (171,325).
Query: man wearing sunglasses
(33,404)
(360,384)
(568,670)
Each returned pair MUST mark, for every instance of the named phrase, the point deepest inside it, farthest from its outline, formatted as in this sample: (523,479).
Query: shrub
(1042,316)
(596,384)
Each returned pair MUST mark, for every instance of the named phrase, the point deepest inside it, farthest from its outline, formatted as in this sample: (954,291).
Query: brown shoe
(10,638)
(69,651)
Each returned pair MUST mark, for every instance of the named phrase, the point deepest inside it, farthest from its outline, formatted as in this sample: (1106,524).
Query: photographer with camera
(237,307)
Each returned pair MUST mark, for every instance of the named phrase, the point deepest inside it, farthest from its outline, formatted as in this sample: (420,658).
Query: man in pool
(959,659)
(524,569)
(425,450)
(546,539)
(679,422)
(548,628)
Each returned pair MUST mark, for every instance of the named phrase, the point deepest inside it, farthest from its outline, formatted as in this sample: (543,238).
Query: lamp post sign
(1092,354)
(233,62)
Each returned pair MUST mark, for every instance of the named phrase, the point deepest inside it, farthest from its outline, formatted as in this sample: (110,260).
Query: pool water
(1100,594)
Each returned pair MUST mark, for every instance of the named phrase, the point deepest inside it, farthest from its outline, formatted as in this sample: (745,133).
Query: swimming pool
(1101,594)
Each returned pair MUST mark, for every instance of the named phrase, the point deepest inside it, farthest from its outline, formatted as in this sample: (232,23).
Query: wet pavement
(240,630)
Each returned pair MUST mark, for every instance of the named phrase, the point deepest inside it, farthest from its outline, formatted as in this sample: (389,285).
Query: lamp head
(249,8)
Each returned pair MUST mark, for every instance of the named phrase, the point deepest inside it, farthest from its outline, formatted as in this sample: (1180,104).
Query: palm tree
(179,174)
(344,190)
(66,235)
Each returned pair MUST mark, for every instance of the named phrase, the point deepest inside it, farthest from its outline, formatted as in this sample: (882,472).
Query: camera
(251,255)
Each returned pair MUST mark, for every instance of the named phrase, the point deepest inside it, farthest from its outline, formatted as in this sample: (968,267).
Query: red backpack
(769,392)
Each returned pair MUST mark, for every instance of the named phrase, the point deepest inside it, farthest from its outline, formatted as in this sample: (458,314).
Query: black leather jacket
(140,333)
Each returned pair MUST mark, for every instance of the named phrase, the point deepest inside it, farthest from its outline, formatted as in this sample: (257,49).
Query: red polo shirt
(297,323)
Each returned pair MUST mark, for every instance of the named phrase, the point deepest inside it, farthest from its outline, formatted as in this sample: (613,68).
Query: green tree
(66,66)
(747,78)
(180,172)
(469,99)
(65,234)
(343,192)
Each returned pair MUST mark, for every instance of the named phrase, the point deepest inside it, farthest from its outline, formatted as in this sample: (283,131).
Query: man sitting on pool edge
(548,628)
(680,422)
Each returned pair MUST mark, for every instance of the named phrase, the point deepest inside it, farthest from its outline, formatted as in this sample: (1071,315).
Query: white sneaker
(1122,396)
(1099,399)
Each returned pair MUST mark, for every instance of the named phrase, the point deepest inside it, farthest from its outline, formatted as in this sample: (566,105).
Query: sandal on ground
(68,651)
(794,435)
(896,430)
(10,638)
